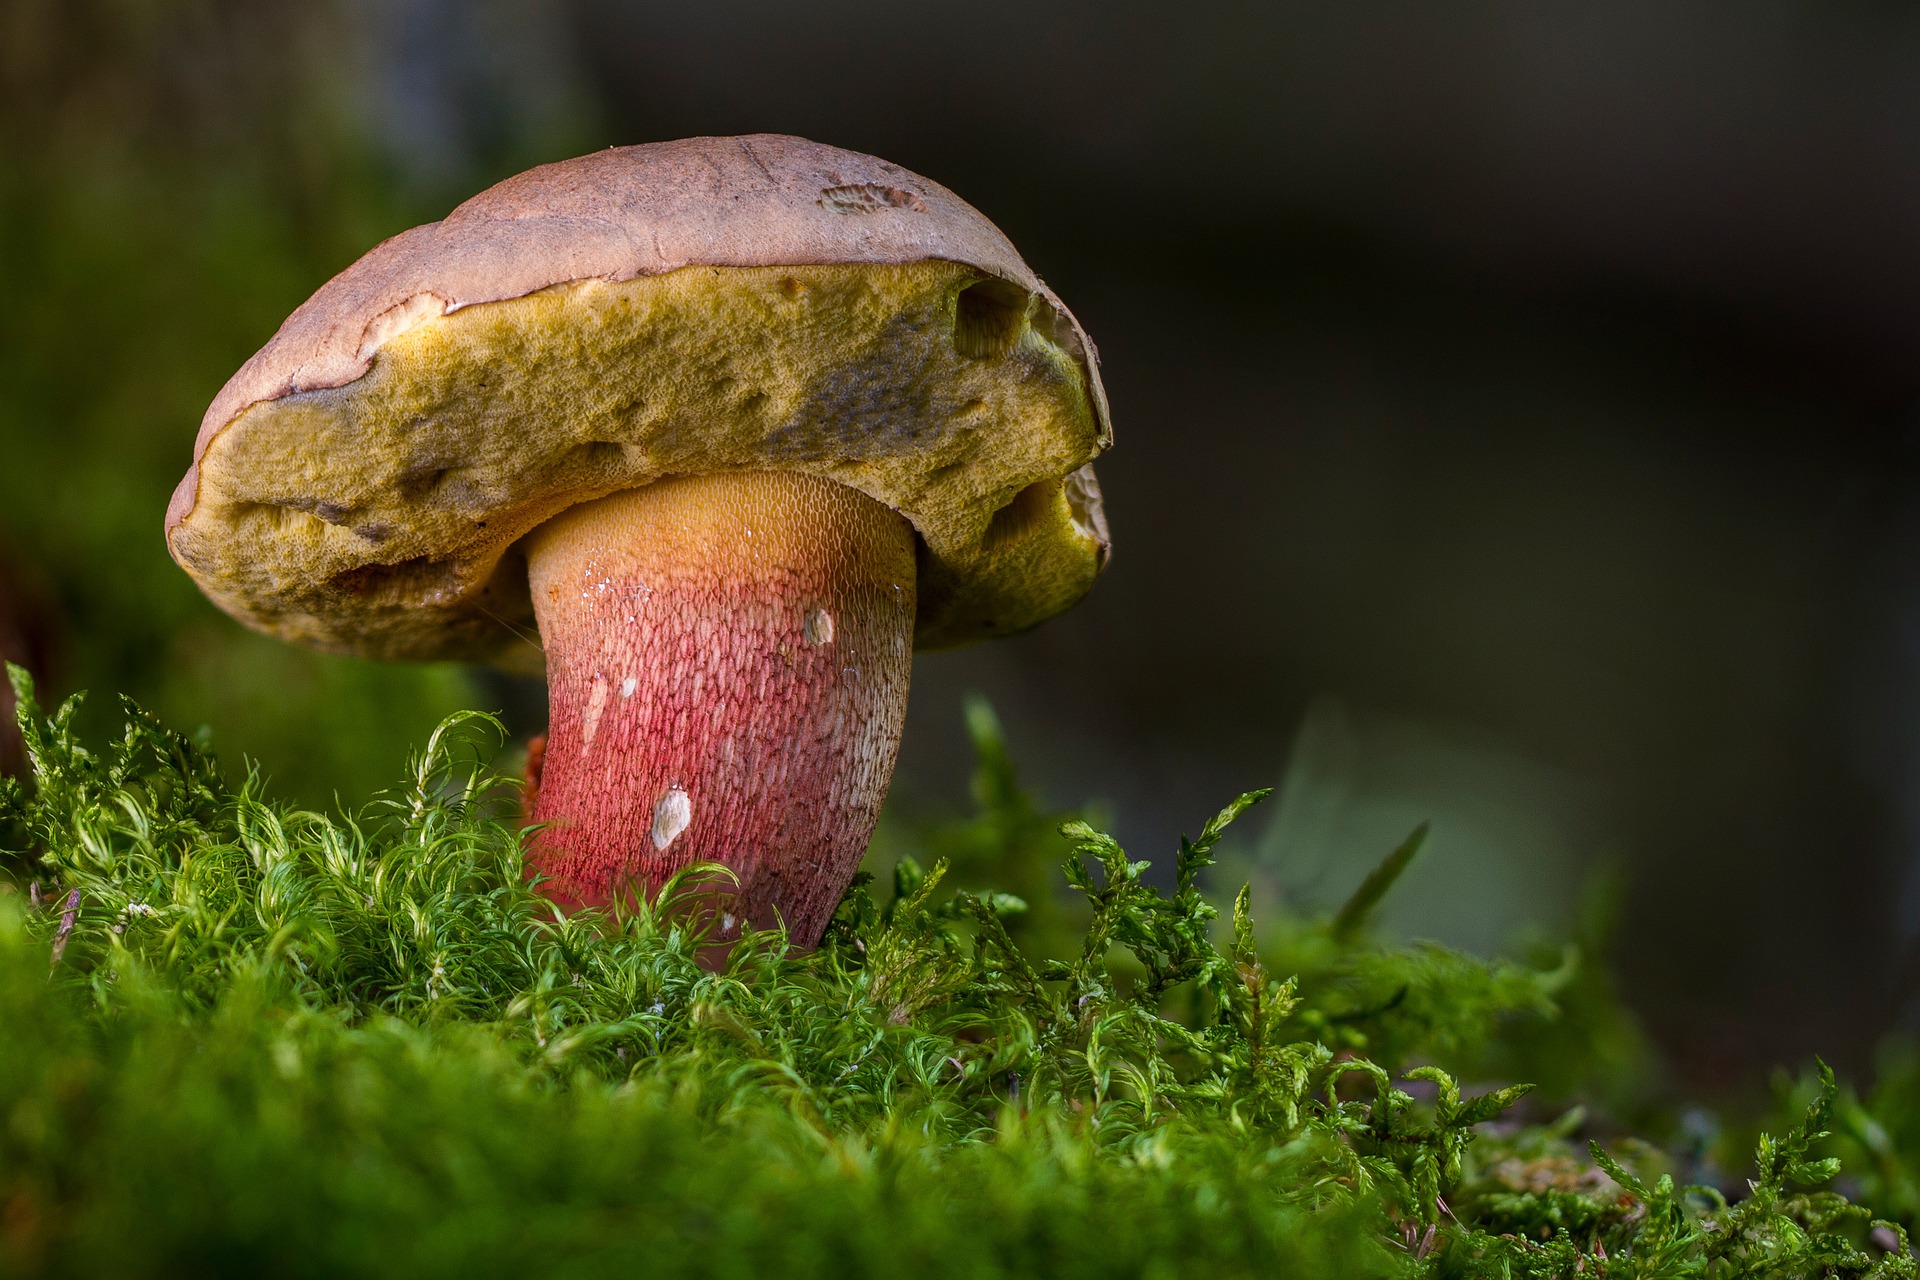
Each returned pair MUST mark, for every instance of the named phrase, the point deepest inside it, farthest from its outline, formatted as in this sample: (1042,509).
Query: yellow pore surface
(383,517)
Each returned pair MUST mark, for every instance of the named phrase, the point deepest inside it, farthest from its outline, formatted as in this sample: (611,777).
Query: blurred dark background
(1515,405)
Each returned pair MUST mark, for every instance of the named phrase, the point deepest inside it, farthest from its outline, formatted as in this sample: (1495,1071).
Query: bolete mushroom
(733,424)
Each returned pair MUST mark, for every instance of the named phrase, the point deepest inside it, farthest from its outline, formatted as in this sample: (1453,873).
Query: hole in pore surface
(987,319)
(598,455)
(1029,508)
(421,580)
(276,516)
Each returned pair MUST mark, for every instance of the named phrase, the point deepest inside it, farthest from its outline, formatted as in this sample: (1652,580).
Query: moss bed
(237,1037)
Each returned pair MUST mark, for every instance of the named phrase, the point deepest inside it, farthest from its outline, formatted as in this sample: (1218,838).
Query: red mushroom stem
(727,665)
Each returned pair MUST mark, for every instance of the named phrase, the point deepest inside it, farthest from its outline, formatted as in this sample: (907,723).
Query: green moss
(247,1038)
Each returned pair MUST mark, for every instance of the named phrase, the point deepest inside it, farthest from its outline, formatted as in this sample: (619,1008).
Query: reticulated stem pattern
(727,667)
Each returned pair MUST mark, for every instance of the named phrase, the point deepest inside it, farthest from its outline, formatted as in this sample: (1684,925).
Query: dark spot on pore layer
(420,481)
(865,408)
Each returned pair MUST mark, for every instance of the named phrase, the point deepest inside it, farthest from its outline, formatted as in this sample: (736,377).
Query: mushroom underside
(381,517)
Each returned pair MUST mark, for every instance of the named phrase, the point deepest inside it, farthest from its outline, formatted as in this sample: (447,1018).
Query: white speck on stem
(819,626)
(596,703)
(671,815)
(627,687)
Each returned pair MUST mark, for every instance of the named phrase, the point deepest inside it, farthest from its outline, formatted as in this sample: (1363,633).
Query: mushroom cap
(709,305)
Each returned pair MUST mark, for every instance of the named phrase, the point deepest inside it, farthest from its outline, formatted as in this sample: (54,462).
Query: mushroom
(718,431)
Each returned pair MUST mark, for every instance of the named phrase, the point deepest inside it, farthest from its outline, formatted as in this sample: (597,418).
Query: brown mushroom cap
(709,305)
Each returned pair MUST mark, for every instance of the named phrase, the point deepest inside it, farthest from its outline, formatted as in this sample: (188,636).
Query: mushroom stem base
(727,667)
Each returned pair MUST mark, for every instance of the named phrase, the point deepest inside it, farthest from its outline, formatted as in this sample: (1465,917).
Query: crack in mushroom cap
(708,305)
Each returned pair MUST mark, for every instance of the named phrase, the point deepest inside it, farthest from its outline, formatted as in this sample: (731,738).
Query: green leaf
(1488,1105)
(1619,1172)
(1354,916)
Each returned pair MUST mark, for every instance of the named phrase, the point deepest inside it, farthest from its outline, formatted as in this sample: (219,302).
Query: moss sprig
(270,1039)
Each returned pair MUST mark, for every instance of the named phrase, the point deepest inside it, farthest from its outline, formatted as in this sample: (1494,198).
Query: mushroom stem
(727,665)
